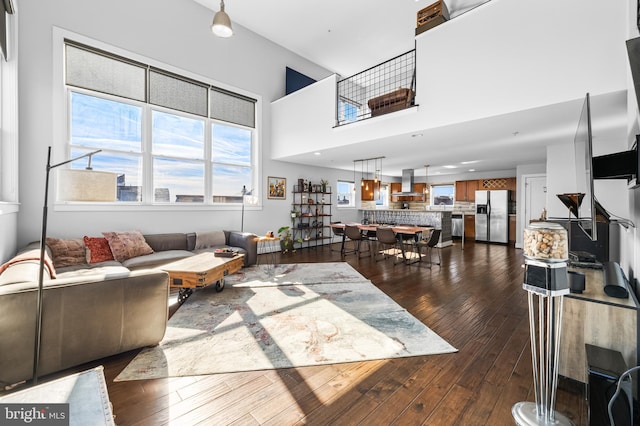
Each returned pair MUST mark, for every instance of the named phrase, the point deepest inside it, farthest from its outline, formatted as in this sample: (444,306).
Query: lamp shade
(221,25)
(86,185)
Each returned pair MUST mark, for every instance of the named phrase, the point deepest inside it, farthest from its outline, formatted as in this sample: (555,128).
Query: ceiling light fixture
(354,177)
(221,25)
(426,184)
(375,173)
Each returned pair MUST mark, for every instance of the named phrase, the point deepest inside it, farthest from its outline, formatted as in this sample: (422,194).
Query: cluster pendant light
(221,25)
(377,175)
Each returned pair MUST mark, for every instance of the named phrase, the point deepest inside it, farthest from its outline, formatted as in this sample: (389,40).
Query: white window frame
(9,143)
(432,194)
(384,196)
(352,204)
(61,120)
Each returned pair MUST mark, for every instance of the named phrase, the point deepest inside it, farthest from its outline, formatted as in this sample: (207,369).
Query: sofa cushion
(162,242)
(97,249)
(66,252)
(210,239)
(125,245)
(87,266)
(156,259)
(105,269)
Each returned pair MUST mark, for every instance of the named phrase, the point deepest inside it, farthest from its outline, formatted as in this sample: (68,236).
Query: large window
(346,194)
(170,139)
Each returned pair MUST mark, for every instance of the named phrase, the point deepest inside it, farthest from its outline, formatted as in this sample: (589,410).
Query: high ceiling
(346,37)
(328,32)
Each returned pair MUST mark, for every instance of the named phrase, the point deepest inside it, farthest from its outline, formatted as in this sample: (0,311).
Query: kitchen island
(439,219)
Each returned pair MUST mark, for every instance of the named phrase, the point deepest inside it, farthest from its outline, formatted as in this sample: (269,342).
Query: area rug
(284,316)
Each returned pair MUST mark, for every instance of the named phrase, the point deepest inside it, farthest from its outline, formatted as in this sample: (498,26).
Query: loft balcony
(466,79)
(384,88)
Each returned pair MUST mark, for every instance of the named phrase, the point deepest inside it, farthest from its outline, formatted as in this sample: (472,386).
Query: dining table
(403,232)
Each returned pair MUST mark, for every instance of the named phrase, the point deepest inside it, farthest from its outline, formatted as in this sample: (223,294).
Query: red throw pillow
(98,249)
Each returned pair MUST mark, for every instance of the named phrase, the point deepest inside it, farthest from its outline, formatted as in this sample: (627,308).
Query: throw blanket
(31,255)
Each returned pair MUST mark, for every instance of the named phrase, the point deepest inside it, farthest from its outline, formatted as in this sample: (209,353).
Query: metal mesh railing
(387,87)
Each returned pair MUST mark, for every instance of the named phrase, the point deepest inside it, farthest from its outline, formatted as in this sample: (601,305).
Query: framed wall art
(276,188)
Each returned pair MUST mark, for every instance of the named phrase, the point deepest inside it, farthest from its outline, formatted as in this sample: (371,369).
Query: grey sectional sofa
(92,311)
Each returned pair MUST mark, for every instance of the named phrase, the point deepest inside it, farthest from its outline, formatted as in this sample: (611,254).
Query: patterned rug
(284,316)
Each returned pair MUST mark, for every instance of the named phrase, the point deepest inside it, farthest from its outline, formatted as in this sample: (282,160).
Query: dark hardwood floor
(474,300)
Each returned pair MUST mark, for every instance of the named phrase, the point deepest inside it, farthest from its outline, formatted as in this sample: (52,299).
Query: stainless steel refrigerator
(492,218)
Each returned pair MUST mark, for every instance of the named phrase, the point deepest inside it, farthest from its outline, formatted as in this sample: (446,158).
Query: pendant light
(367,185)
(375,167)
(426,185)
(354,177)
(221,25)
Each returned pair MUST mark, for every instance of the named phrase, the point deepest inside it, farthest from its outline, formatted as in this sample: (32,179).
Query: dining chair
(339,233)
(428,244)
(387,238)
(353,233)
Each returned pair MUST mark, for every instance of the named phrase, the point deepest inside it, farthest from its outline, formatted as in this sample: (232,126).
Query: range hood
(407,185)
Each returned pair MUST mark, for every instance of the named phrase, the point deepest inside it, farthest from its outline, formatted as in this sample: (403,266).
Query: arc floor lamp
(89,186)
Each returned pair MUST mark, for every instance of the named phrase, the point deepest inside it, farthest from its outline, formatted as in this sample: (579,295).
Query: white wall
(472,70)
(9,240)
(467,70)
(9,143)
(521,171)
(174,33)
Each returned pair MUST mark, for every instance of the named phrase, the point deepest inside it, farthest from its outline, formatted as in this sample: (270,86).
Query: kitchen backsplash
(458,207)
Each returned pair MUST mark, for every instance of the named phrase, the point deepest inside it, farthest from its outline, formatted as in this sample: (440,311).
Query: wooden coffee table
(201,270)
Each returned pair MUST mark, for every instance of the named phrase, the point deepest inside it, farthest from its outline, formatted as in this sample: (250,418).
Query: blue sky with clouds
(116,128)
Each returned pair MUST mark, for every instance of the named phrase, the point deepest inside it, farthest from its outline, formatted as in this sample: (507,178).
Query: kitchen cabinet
(370,191)
(395,187)
(417,188)
(512,186)
(512,228)
(466,190)
(470,226)
(498,183)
